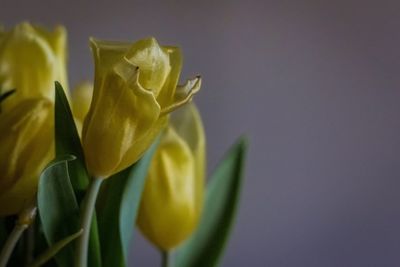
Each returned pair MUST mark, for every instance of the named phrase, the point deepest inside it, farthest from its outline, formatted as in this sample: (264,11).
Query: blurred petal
(81,98)
(58,42)
(188,125)
(25,148)
(172,200)
(31,59)
(167,213)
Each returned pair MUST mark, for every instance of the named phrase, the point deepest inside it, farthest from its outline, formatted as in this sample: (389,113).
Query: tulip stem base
(25,218)
(166,259)
(10,243)
(87,210)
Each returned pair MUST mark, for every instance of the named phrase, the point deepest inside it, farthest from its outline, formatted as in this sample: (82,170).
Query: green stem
(25,219)
(10,243)
(166,259)
(29,244)
(86,219)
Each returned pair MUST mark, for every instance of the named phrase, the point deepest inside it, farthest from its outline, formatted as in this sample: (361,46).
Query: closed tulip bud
(81,98)
(31,59)
(25,149)
(172,199)
(135,87)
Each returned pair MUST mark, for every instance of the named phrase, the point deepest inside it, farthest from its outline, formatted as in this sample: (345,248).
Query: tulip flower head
(31,59)
(25,149)
(172,199)
(135,87)
(81,98)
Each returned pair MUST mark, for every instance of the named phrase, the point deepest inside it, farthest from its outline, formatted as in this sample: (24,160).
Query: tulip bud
(31,59)
(25,149)
(135,87)
(81,98)
(172,199)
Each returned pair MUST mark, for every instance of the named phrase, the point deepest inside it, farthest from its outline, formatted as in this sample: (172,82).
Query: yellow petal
(188,124)
(134,90)
(2,32)
(25,148)
(57,39)
(153,63)
(107,53)
(121,113)
(81,98)
(167,94)
(167,214)
(31,59)
(172,199)
(183,95)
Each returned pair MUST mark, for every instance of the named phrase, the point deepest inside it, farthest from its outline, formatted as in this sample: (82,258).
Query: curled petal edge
(184,94)
(124,70)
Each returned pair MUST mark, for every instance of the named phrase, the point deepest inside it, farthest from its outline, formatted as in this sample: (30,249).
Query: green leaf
(53,250)
(58,208)
(206,246)
(68,143)
(119,202)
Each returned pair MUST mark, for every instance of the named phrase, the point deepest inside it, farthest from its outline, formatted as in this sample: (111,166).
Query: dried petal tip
(184,94)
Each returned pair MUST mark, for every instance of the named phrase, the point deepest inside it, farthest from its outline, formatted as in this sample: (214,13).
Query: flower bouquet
(79,170)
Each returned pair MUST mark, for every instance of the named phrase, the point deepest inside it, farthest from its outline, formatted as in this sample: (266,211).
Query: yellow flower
(25,149)
(173,195)
(31,59)
(81,98)
(135,87)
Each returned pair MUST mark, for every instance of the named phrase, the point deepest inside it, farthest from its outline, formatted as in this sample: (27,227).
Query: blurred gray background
(316,87)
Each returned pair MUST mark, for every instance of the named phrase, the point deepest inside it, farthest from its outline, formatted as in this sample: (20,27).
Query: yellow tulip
(135,87)
(172,199)
(31,59)
(81,98)
(25,149)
